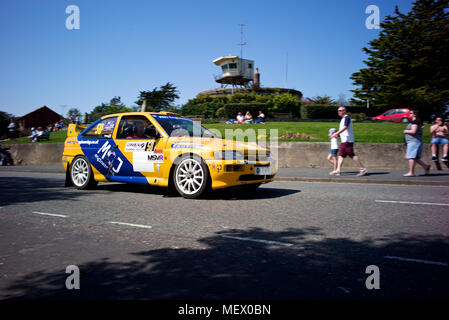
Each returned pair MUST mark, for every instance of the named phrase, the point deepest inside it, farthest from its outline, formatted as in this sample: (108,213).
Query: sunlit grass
(363,131)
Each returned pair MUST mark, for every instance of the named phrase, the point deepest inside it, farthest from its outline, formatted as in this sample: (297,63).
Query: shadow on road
(233,193)
(354,173)
(27,190)
(228,268)
(237,193)
(18,190)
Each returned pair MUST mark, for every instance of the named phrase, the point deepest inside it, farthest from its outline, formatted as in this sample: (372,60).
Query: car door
(142,145)
(388,115)
(97,143)
(397,115)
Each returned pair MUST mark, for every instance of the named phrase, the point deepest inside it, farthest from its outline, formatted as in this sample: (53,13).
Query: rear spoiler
(74,130)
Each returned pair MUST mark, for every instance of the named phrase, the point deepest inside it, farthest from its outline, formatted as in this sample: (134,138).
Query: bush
(286,103)
(319,111)
(231,109)
(253,102)
(207,109)
(221,113)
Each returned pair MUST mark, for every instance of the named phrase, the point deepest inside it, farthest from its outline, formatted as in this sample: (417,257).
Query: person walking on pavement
(438,131)
(413,139)
(346,134)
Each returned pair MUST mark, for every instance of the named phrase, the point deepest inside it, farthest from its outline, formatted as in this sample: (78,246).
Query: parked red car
(396,115)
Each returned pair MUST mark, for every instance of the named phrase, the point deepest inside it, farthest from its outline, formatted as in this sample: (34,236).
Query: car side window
(136,127)
(102,129)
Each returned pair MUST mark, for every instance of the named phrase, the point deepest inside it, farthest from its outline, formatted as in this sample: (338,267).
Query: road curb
(364,181)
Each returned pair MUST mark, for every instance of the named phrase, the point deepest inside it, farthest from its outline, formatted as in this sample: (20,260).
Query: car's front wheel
(404,120)
(81,173)
(190,177)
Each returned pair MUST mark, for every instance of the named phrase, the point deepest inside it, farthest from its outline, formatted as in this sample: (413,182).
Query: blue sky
(123,47)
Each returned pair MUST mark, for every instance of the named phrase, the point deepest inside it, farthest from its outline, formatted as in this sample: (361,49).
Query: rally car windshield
(182,127)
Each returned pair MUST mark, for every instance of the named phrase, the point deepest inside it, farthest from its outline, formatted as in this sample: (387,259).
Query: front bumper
(228,173)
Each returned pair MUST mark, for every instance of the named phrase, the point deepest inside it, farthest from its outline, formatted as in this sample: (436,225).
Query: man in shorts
(346,134)
(439,131)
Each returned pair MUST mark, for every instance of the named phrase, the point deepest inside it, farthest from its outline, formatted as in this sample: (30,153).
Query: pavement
(392,177)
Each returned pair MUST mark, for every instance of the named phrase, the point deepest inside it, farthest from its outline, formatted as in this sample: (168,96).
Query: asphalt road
(289,240)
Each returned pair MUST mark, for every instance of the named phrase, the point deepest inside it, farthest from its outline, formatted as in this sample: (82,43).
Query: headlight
(228,155)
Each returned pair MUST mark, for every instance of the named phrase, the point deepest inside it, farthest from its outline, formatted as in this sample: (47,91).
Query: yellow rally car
(162,149)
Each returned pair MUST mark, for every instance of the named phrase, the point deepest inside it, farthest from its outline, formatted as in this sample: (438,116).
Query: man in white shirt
(240,118)
(346,134)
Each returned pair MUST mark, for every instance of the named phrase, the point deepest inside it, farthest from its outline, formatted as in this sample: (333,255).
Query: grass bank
(318,131)
(296,131)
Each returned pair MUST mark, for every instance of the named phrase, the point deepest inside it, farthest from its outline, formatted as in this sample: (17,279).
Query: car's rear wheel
(81,173)
(404,120)
(190,177)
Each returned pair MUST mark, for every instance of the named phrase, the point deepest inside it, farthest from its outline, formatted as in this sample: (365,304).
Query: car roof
(141,113)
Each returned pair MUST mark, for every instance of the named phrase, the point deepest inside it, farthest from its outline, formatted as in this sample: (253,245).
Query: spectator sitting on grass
(33,137)
(240,118)
(39,133)
(260,118)
(248,117)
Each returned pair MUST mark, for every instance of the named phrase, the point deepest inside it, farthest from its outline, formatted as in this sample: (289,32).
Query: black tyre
(81,174)
(404,120)
(190,176)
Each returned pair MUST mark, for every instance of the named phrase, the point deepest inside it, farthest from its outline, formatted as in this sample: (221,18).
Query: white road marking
(344,289)
(407,202)
(418,260)
(50,214)
(259,240)
(131,224)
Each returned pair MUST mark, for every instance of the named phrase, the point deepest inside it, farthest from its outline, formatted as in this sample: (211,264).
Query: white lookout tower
(234,71)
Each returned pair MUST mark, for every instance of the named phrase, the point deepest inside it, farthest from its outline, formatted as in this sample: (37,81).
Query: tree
(73,113)
(408,63)
(4,122)
(115,105)
(159,99)
(322,100)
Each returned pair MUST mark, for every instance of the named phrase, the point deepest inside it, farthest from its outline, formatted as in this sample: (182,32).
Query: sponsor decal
(135,146)
(150,145)
(88,142)
(145,161)
(109,125)
(186,145)
(158,151)
(113,163)
(159,116)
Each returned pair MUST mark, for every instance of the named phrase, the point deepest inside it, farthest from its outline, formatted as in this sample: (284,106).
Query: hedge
(206,109)
(372,111)
(232,109)
(319,111)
